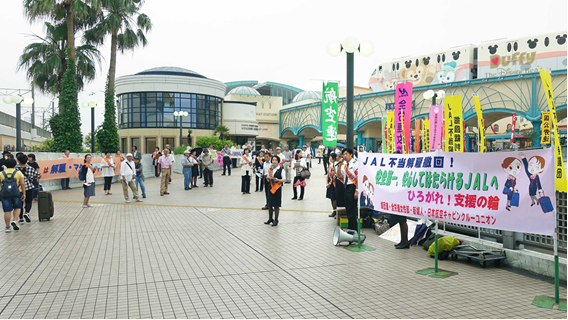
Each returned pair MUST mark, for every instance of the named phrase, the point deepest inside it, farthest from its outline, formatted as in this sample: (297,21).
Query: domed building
(148,99)
(244,90)
(306,95)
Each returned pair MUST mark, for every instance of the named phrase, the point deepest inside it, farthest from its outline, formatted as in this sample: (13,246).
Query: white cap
(186,151)
(129,155)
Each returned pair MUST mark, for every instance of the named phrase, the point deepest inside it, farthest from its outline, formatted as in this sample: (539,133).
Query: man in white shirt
(128,174)
(306,155)
(348,174)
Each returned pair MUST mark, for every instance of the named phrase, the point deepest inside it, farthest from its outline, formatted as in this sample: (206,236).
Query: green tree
(45,61)
(223,131)
(66,125)
(87,141)
(122,20)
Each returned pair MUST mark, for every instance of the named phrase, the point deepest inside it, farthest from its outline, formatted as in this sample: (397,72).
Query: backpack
(81,175)
(10,186)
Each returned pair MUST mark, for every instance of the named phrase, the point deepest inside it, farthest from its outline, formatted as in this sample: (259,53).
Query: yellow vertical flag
(426,135)
(390,117)
(559,163)
(546,128)
(480,125)
(454,119)
(417,128)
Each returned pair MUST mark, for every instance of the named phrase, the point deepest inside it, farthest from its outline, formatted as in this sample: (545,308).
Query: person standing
(194,168)
(118,159)
(299,166)
(165,169)
(306,155)
(265,167)
(226,152)
(258,167)
(207,168)
(321,147)
(135,153)
(32,162)
(233,158)
(65,181)
(187,166)
(330,193)
(87,172)
(155,156)
(30,175)
(139,180)
(275,179)
(173,160)
(13,194)
(325,157)
(289,156)
(128,174)
(349,173)
(246,163)
(107,165)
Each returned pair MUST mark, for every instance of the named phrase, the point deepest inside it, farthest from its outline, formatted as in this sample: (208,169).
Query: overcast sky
(285,41)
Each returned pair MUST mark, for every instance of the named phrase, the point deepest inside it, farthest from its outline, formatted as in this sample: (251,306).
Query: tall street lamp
(430,94)
(180,114)
(350,45)
(92,105)
(17,100)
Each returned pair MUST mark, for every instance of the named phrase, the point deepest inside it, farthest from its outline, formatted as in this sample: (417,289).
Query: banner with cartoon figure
(511,191)
(70,167)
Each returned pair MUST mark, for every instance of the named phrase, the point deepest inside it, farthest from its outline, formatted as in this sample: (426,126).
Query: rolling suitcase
(515,200)
(44,205)
(545,204)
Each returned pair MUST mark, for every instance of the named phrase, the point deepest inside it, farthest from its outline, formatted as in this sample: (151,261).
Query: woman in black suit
(258,166)
(274,176)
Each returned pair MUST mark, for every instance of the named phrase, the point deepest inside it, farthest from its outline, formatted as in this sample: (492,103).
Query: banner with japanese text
(426,136)
(390,115)
(561,184)
(402,116)
(436,127)
(329,113)
(546,128)
(480,123)
(454,119)
(506,190)
(70,167)
(384,145)
(417,127)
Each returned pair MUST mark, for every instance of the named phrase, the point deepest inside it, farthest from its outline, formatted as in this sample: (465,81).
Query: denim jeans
(65,183)
(138,180)
(187,177)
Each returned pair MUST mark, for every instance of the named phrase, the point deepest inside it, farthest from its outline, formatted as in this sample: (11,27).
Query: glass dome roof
(244,90)
(171,71)
(307,95)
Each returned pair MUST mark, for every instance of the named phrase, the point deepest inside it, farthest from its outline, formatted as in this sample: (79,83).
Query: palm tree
(222,131)
(71,10)
(45,60)
(122,20)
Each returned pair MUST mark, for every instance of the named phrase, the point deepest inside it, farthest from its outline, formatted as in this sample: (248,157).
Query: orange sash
(331,179)
(108,162)
(274,185)
(350,175)
(246,159)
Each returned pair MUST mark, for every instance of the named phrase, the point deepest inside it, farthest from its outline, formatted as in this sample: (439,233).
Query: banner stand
(435,272)
(546,301)
(359,247)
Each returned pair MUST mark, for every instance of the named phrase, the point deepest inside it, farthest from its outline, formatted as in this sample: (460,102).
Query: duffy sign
(507,190)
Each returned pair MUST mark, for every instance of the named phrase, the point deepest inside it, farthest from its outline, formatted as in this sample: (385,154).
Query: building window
(150,145)
(169,141)
(124,145)
(135,142)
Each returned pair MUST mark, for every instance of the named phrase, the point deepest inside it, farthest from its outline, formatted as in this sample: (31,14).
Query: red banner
(70,167)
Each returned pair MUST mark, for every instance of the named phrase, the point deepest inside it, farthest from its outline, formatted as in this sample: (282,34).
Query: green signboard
(329,113)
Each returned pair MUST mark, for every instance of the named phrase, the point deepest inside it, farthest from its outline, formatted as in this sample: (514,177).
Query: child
(513,167)
(533,167)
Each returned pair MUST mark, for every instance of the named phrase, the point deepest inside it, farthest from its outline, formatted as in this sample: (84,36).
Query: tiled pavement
(205,253)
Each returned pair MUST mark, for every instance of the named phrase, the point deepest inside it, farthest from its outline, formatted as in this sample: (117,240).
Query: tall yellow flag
(480,125)
(426,135)
(390,118)
(559,163)
(454,119)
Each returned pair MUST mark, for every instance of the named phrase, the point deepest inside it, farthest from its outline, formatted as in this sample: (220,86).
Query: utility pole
(33,107)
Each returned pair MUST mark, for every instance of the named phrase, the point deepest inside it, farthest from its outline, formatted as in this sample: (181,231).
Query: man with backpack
(30,175)
(12,182)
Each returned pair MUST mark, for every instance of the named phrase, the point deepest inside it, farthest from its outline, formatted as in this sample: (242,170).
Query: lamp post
(18,100)
(350,45)
(430,94)
(180,114)
(92,105)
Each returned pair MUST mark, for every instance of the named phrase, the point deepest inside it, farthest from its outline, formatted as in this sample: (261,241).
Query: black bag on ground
(44,205)
(428,242)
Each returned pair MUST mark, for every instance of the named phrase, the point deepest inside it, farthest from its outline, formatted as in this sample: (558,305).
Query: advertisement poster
(402,116)
(329,113)
(506,190)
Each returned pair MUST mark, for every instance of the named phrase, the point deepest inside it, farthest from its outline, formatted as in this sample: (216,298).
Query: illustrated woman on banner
(533,167)
(513,167)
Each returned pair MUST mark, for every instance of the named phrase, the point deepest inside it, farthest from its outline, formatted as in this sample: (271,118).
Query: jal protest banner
(390,115)
(417,127)
(70,167)
(480,123)
(454,118)
(329,114)
(546,128)
(506,190)
(426,135)
(436,127)
(560,173)
(402,116)
(385,135)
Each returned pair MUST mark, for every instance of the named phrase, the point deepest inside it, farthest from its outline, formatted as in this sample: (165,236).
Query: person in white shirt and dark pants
(128,175)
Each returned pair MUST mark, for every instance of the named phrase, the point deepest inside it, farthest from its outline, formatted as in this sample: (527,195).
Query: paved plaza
(206,253)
